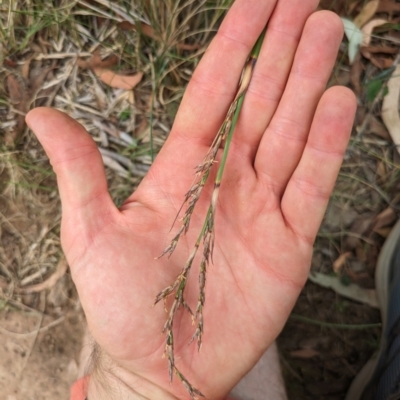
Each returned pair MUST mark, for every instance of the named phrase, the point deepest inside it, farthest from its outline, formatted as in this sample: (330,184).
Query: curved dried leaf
(126,26)
(110,78)
(144,28)
(341,261)
(368,28)
(379,60)
(367,12)
(149,31)
(355,37)
(97,62)
(390,113)
(385,218)
(50,282)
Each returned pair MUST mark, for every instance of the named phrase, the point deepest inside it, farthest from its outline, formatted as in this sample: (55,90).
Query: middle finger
(270,75)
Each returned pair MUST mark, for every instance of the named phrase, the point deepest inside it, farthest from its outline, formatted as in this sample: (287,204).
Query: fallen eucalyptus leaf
(368,29)
(352,291)
(341,261)
(111,78)
(95,61)
(366,13)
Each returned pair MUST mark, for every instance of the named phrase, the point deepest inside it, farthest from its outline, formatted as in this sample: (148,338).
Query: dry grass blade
(207,234)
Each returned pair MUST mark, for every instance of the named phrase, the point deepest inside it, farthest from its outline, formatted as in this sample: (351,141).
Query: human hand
(283,162)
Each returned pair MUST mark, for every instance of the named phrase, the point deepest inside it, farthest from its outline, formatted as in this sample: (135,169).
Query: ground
(39,366)
(52,56)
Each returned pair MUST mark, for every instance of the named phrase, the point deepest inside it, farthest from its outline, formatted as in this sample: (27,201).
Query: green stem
(255,52)
(203,230)
(229,140)
(253,58)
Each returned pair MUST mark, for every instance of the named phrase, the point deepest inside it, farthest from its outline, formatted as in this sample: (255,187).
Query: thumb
(86,203)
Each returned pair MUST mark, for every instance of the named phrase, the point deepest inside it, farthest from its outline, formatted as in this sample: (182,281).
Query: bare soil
(40,365)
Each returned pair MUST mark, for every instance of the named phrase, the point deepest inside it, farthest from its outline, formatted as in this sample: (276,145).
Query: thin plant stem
(206,238)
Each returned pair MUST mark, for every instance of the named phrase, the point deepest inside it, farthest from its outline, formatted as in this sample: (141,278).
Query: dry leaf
(304,353)
(27,66)
(390,113)
(110,78)
(10,63)
(384,232)
(381,170)
(97,62)
(50,282)
(150,32)
(380,62)
(388,6)
(360,228)
(189,47)
(18,95)
(377,128)
(146,29)
(3,282)
(381,49)
(126,26)
(340,261)
(367,12)
(22,94)
(38,77)
(385,218)
(355,74)
(376,54)
(16,91)
(352,291)
(368,29)
(348,8)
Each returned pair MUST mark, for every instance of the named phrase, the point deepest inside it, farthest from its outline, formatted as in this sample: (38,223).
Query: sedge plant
(206,237)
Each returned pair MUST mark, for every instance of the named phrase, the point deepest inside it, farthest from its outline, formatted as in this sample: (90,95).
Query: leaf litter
(347,249)
(108,76)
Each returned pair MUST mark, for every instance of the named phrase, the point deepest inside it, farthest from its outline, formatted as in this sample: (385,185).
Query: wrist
(109,381)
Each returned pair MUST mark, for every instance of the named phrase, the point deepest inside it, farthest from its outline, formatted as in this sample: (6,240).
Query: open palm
(284,158)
